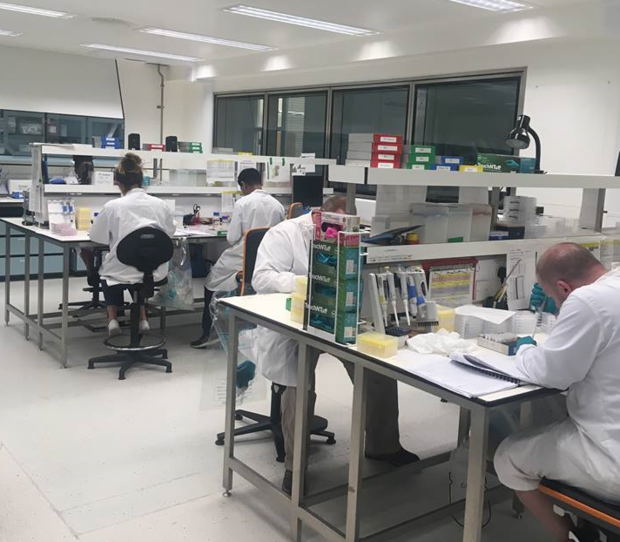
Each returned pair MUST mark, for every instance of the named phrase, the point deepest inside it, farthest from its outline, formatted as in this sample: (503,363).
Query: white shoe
(114,328)
(144,326)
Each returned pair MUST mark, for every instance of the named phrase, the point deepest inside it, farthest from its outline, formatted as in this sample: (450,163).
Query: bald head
(335,204)
(566,267)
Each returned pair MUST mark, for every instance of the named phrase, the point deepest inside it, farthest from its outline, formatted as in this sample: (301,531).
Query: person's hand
(537,299)
(522,341)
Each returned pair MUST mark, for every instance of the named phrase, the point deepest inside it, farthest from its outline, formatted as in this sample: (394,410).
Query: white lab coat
(282,255)
(582,354)
(119,218)
(256,210)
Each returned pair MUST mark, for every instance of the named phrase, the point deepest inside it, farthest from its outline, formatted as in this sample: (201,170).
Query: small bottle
(216,219)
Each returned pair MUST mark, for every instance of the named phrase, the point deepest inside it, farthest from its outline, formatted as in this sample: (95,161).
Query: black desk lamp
(519,138)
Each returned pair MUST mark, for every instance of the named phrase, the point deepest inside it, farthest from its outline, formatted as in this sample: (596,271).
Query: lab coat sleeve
(275,259)
(100,230)
(569,352)
(170,224)
(235,230)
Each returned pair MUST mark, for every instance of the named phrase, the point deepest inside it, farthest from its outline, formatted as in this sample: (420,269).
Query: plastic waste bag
(178,292)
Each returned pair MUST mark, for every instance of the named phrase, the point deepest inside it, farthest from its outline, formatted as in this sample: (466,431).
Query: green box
(528,165)
(499,163)
(418,166)
(425,159)
(423,149)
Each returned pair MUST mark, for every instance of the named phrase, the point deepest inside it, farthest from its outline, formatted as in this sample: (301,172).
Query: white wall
(48,82)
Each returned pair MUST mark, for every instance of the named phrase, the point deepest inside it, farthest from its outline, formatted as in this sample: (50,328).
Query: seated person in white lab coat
(283,255)
(582,354)
(118,218)
(256,209)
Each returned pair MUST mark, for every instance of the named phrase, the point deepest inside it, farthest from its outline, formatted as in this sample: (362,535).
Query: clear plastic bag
(178,292)
(246,357)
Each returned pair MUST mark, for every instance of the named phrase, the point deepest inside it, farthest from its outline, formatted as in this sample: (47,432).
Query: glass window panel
(19,129)
(65,129)
(239,123)
(467,117)
(104,127)
(296,124)
(368,110)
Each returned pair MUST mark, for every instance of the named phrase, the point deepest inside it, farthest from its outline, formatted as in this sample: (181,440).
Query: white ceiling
(206,17)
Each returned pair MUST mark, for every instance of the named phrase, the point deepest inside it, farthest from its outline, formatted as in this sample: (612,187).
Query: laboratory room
(310,271)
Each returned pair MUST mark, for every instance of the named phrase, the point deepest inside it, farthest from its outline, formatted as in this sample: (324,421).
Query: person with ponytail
(135,209)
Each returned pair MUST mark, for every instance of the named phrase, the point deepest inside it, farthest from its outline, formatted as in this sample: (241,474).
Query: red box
(386,157)
(156,147)
(380,164)
(387,148)
(388,138)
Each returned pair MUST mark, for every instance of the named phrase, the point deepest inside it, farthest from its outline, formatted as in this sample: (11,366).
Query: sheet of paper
(522,279)
(494,316)
(452,287)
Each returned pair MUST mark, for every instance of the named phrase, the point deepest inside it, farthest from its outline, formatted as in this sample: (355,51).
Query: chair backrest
(251,242)
(295,210)
(145,249)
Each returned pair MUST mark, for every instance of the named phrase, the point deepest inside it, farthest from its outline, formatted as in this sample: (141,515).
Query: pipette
(404,293)
(392,293)
(381,280)
(413,295)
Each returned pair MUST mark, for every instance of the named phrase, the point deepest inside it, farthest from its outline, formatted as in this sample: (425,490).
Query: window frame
(412,82)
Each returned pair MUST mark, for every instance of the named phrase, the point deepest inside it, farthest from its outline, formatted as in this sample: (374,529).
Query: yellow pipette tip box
(377,344)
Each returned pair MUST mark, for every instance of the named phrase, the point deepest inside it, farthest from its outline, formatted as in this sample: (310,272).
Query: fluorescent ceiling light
(206,39)
(141,52)
(36,11)
(10,33)
(505,6)
(299,21)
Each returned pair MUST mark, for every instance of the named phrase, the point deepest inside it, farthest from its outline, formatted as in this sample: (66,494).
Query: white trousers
(558,452)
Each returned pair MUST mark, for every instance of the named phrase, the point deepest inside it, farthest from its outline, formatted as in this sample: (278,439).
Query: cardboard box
(528,165)
(450,161)
(380,164)
(418,166)
(375,138)
(440,167)
(426,159)
(385,148)
(423,149)
(470,169)
(103,178)
(365,155)
(499,163)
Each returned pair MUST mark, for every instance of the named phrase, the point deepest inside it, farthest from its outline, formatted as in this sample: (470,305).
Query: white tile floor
(86,457)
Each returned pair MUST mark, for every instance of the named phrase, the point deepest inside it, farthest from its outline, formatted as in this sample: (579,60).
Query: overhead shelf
(410,177)
(94,190)
(408,253)
(175,160)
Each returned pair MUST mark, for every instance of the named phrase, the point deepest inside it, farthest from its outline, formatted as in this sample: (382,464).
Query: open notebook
(492,364)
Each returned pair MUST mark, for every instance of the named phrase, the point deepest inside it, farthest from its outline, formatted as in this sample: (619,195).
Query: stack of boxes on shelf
(375,150)
(190,147)
(419,157)
(334,283)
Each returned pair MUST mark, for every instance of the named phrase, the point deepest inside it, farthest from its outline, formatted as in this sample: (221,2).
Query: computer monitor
(308,190)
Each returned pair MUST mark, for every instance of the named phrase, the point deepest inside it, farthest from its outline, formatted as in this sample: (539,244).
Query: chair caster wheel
(444,401)
(121,377)
(220,442)
(330,441)
(91,366)
(517,515)
(169,370)
(280,459)
(226,494)
(238,417)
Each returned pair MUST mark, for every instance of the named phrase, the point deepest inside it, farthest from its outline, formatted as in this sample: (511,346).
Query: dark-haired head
(249,180)
(128,173)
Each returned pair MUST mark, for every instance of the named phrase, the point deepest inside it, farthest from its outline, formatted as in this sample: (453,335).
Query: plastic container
(524,323)
(468,327)
(301,286)
(459,223)
(435,220)
(446,318)
(377,345)
(480,222)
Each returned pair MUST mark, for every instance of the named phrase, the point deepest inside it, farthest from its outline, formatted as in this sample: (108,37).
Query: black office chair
(145,249)
(94,288)
(273,422)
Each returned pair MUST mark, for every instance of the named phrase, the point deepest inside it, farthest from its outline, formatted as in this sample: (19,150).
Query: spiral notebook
(491,364)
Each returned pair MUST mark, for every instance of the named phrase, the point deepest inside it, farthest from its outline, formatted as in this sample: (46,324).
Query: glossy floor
(86,457)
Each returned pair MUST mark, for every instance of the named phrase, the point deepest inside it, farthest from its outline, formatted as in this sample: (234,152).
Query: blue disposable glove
(246,372)
(538,298)
(525,340)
